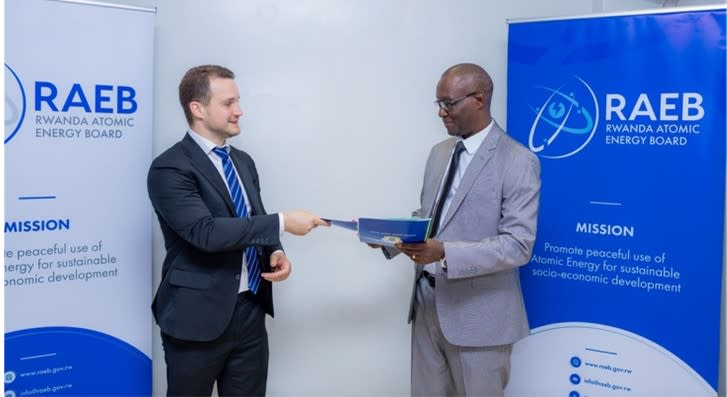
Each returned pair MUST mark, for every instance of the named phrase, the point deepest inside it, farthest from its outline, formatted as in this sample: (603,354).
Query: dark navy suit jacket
(205,240)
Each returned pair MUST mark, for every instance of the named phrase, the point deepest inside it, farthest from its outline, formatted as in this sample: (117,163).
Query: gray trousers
(439,368)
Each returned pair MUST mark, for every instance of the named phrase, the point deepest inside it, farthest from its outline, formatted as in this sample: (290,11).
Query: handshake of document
(373,231)
(389,232)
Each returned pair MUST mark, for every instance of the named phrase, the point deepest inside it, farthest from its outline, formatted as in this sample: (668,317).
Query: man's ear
(480,98)
(484,98)
(197,110)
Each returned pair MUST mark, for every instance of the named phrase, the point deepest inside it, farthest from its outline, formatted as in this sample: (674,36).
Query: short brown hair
(195,85)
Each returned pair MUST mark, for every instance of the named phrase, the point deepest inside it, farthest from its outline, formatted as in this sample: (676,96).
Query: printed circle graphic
(613,361)
(66,361)
(15,103)
(10,377)
(565,119)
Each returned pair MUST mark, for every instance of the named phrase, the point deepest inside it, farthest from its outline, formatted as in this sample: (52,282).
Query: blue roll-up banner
(77,258)
(627,115)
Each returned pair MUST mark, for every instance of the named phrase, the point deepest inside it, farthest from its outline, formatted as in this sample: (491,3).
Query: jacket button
(237,277)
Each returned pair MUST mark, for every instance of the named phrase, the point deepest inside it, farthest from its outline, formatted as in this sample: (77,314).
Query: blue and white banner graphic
(627,116)
(77,259)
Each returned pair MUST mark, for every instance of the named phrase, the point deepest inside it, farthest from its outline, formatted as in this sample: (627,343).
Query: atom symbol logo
(563,124)
(15,104)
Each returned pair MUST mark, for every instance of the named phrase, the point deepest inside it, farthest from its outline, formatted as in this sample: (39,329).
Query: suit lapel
(474,169)
(199,160)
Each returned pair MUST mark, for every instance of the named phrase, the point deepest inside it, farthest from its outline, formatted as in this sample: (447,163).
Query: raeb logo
(15,103)
(48,96)
(565,121)
(67,108)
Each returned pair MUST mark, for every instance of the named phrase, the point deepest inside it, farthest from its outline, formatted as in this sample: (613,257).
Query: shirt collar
(205,143)
(473,143)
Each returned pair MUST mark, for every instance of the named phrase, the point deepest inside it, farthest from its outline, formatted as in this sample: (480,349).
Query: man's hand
(302,222)
(280,265)
(422,253)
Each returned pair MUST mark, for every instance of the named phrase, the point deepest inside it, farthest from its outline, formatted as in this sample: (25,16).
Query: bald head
(476,78)
(464,95)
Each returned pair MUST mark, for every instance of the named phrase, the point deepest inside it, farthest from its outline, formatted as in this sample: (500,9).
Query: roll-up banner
(77,258)
(627,116)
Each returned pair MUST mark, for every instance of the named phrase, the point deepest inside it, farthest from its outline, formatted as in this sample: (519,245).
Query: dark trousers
(237,360)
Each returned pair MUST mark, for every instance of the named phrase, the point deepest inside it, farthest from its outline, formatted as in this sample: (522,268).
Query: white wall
(632,5)
(337,96)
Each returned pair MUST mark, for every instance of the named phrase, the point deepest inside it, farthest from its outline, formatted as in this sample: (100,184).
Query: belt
(431,279)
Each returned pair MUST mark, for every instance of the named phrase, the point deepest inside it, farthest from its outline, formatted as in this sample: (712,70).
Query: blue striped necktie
(253,264)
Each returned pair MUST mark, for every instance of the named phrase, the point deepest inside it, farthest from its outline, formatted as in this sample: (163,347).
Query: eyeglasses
(447,106)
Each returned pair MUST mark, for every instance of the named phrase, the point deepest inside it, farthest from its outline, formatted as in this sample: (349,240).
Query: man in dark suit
(223,250)
(482,190)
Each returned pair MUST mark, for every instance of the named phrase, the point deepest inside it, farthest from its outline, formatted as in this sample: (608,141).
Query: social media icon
(9,377)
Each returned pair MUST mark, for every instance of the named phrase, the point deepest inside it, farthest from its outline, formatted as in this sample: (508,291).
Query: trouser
(237,360)
(439,368)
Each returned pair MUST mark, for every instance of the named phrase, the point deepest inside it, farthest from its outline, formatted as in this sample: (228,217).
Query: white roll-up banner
(77,259)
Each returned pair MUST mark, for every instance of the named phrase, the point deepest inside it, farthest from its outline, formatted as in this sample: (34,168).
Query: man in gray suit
(467,307)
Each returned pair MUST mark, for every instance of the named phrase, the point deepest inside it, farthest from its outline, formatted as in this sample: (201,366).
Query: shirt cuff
(281,223)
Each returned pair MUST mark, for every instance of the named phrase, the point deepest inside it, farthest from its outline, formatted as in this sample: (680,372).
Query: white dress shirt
(471,145)
(207,147)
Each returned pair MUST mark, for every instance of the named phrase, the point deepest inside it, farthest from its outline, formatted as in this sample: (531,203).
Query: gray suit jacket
(488,233)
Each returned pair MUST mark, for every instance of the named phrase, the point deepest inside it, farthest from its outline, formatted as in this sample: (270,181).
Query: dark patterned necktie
(453,164)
